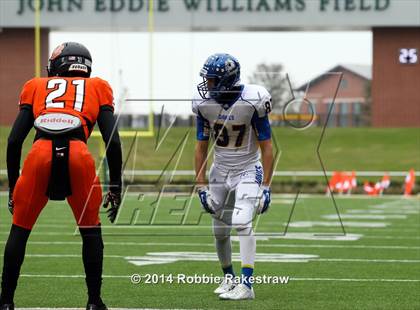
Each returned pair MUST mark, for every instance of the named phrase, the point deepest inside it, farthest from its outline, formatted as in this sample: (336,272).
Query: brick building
(17,66)
(396,77)
(349,85)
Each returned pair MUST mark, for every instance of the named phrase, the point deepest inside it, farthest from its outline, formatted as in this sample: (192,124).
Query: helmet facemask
(215,90)
(209,90)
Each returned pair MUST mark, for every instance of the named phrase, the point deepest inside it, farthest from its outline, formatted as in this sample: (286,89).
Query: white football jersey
(235,129)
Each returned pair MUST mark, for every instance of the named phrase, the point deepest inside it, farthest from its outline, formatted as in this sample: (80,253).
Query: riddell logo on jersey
(57,120)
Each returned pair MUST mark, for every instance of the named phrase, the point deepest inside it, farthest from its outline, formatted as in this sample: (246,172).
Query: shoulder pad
(196,101)
(259,97)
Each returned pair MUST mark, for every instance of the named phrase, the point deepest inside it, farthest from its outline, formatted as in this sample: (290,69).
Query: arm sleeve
(203,128)
(202,124)
(261,126)
(21,127)
(108,127)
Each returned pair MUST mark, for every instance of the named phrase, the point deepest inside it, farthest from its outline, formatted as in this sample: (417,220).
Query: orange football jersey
(81,97)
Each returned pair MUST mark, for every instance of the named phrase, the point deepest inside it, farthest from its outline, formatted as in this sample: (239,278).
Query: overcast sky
(123,58)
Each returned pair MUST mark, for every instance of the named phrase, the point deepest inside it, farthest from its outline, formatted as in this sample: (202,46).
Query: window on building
(344,84)
(332,120)
(357,108)
(357,111)
(344,113)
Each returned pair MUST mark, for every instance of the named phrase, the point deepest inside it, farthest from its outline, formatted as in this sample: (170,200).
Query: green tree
(272,77)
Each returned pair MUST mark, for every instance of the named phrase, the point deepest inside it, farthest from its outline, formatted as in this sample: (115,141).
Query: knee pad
(221,237)
(221,231)
(244,231)
(243,215)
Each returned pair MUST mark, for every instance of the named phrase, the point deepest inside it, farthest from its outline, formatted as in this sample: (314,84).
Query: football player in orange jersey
(63,108)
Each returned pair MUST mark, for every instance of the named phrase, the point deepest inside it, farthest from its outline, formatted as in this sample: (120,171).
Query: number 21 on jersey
(60,87)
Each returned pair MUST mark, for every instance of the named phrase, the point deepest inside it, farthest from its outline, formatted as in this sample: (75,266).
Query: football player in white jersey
(235,116)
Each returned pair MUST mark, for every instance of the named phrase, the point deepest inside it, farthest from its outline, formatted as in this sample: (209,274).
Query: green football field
(346,149)
(374,265)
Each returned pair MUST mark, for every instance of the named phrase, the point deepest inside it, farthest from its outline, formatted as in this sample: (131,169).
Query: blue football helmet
(225,70)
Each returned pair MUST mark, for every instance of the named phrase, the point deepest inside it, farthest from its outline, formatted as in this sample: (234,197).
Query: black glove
(113,197)
(10,203)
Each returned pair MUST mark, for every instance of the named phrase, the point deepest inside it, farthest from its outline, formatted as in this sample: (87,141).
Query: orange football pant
(30,193)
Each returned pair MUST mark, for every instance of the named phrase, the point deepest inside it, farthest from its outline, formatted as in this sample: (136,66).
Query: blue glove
(206,202)
(265,199)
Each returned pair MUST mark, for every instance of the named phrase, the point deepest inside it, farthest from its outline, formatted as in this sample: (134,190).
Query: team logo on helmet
(57,51)
(230,65)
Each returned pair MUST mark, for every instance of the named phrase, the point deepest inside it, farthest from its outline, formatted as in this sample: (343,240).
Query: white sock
(247,246)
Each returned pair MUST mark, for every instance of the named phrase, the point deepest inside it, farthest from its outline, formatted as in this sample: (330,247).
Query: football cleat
(7,307)
(225,286)
(240,292)
(96,307)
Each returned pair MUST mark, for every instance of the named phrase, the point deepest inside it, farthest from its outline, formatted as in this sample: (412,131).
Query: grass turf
(360,149)
(54,250)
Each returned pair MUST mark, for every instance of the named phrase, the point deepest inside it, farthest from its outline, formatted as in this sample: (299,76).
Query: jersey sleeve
(27,94)
(105,95)
(195,103)
(260,121)
(261,126)
(262,102)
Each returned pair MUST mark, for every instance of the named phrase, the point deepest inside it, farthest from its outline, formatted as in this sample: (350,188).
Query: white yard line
(362,260)
(291,279)
(353,280)
(63,256)
(382,211)
(108,308)
(365,260)
(317,236)
(338,246)
(393,237)
(345,216)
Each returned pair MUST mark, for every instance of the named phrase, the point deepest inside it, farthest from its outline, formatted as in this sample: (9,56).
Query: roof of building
(364,71)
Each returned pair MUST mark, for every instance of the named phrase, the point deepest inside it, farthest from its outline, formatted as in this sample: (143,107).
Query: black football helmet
(70,59)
